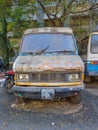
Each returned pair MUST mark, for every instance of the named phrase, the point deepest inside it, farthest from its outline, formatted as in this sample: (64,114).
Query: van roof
(49,30)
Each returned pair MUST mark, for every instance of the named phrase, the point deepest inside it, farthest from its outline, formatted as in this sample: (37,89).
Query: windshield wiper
(42,51)
(65,51)
(37,52)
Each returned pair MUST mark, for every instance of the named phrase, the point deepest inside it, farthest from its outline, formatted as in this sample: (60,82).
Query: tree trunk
(5,42)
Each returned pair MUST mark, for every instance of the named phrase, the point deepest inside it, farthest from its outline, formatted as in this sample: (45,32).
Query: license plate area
(47,94)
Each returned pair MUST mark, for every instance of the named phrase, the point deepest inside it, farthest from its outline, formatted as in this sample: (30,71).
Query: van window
(94,43)
(54,42)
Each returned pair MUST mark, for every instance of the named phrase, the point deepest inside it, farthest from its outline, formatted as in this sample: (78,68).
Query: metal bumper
(34,92)
(92,70)
(93,73)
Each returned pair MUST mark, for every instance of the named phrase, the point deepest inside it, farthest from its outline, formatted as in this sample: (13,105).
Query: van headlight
(73,77)
(24,77)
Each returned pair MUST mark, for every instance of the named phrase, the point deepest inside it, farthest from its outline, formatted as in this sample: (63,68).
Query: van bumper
(46,92)
(92,70)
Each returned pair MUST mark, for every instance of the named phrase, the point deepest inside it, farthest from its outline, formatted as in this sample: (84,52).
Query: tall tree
(58,14)
(10,11)
(5,6)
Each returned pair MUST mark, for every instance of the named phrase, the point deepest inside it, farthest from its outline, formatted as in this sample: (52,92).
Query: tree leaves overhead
(11,13)
(17,15)
(5,6)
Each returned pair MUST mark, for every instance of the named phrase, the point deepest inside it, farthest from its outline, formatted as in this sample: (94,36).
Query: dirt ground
(50,115)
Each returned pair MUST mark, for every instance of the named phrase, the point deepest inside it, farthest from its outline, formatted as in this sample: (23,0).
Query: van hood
(48,63)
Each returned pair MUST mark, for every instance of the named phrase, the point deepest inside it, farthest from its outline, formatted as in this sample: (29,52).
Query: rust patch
(48,84)
(44,63)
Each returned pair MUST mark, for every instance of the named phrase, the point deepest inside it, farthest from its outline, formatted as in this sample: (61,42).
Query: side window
(94,43)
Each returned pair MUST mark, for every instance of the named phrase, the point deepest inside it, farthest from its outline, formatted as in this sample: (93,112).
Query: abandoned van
(89,55)
(48,65)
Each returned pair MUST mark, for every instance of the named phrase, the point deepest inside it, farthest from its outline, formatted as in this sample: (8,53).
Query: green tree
(5,6)
(11,12)
(64,10)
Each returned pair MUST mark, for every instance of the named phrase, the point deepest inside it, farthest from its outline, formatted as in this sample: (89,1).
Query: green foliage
(19,19)
(4,42)
(16,15)
(22,2)
(11,21)
(5,6)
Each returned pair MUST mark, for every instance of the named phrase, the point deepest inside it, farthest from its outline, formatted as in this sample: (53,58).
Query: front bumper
(34,92)
(92,70)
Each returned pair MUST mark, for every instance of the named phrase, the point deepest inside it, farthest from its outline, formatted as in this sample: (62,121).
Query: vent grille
(49,77)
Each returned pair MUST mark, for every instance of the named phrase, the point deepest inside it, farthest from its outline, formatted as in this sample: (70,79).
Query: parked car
(48,65)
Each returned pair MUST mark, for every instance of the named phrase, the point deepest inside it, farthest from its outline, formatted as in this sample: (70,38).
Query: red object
(94,62)
(11,72)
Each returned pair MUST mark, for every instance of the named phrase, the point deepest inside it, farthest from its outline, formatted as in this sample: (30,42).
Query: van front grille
(49,77)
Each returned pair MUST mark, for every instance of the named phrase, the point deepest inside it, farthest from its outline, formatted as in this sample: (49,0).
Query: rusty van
(48,65)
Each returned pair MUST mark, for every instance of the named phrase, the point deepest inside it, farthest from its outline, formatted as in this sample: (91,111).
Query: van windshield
(94,43)
(48,43)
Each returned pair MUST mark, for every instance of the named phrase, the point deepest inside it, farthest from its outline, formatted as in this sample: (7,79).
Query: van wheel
(19,100)
(8,86)
(76,99)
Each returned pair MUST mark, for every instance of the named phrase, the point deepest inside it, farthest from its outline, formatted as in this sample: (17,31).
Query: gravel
(50,115)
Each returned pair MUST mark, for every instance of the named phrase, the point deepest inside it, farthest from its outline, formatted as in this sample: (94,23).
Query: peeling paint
(49,84)
(40,63)
(43,63)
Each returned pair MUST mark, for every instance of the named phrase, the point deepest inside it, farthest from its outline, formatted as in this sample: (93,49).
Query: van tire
(76,99)
(8,86)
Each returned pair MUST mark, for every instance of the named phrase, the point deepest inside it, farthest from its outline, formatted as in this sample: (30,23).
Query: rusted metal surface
(37,63)
(48,30)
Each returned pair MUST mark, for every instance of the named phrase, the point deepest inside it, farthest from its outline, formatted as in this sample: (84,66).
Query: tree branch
(57,7)
(44,9)
(67,7)
(84,11)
